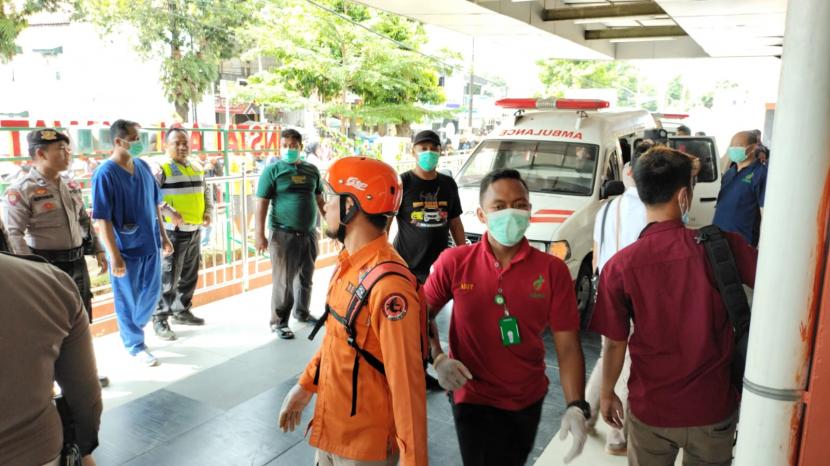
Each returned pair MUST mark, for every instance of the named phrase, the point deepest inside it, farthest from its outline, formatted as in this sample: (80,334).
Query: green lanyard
(508,325)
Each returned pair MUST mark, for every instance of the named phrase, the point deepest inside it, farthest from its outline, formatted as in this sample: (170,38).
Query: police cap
(43,136)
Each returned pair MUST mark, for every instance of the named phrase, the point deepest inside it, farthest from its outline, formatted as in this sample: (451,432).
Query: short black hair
(660,173)
(684,129)
(499,174)
(121,128)
(641,147)
(292,134)
(174,130)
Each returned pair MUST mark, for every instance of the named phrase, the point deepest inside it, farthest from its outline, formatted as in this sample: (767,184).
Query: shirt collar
(659,227)
(521,254)
(362,255)
(37,177)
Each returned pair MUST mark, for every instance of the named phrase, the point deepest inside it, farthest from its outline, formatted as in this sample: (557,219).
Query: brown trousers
(702,445)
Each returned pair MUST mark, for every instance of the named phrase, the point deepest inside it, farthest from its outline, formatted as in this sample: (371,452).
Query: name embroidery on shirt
(466,286)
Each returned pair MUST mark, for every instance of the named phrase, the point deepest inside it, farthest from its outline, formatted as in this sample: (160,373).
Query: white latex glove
(574,422)
(452,373)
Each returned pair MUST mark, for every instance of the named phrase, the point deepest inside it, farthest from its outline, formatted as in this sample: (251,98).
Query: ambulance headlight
(560,249)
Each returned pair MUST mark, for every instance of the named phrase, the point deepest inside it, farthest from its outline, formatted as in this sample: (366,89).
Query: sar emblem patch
(394,307)
(13,197)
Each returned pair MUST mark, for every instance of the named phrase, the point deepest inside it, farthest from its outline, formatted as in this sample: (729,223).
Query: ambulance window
(704,150)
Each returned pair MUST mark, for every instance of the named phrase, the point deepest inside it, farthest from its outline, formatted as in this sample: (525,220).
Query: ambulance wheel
(584,291)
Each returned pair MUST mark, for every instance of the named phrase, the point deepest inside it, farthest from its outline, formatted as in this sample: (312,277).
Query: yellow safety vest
(184,190)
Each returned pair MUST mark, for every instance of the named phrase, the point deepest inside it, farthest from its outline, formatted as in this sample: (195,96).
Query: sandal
(284,332)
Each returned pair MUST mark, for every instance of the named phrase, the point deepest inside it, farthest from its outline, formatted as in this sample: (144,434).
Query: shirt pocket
(130,236)
(46,214)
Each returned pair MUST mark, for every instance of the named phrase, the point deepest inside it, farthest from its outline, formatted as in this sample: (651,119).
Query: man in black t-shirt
(430,209)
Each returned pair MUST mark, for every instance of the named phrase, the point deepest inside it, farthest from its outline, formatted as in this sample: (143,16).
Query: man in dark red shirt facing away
(505,295)
(681,394)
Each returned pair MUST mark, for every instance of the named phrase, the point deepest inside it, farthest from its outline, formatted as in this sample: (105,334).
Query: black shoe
(309,319)
(162,329)
(104,381)
(187,318)
(433,385)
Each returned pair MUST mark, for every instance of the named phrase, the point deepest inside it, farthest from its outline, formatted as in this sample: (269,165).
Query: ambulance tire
(584,292)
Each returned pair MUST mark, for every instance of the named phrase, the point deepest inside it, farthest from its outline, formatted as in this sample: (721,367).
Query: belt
(60,255)
(290,230)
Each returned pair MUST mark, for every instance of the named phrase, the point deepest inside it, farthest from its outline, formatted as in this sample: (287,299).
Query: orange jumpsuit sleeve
(307,377)
(395,318)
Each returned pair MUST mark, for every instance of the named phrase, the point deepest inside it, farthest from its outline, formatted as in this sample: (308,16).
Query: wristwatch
(583,405)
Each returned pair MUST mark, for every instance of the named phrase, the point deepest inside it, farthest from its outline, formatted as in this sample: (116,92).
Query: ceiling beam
(610,11)
(635,33)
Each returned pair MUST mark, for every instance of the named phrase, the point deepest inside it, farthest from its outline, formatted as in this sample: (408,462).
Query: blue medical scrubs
(740,201)
(130,202)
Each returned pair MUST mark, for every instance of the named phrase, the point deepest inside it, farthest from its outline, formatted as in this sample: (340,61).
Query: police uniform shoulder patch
(13,196)
(394,306)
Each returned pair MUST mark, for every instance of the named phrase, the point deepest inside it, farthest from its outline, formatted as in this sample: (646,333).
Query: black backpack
(728,280)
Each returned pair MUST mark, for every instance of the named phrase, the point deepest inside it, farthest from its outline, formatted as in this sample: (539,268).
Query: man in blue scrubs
(125,204)
(741,198)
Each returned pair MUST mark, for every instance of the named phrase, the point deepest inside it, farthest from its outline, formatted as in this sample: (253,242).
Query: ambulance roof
(573,126)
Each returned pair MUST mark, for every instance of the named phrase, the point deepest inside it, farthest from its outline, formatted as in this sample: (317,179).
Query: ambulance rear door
(708,180)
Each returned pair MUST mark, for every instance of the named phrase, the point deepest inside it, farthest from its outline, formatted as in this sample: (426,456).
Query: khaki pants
(327,459)
(658,446)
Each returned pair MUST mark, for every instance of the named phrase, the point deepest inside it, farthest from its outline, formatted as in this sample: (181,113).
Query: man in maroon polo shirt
(506,294)
(681,394)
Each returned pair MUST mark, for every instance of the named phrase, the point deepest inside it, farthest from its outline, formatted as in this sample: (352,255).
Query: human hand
(166,246)
(88,460)
(118,267)
(612,410)
(102,262)
(574,422)
(293,406)
(452,373)
(177,218)
(206,220)
(261,243)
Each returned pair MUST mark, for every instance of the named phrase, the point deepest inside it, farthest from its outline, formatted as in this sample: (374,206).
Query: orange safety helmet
(373,184)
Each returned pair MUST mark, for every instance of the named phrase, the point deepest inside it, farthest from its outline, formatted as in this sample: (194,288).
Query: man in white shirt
(624,219)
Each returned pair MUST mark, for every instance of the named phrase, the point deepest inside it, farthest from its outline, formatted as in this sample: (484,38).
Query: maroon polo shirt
(681,348)
(539,293)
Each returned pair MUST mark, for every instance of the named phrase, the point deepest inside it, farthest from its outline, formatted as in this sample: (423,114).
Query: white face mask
(685,209)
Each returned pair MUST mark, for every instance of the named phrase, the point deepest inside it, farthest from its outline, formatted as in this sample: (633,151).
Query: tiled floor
(215,398)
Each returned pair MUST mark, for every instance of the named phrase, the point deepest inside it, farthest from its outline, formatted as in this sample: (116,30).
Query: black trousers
(490,436)
(179,274)
(79,273)
(292,268)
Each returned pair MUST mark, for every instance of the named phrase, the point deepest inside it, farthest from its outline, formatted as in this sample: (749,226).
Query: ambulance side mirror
(611,188)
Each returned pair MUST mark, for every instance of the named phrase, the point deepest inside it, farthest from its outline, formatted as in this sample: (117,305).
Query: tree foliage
(13,19)
(561,75)
(330,54)
(190,37)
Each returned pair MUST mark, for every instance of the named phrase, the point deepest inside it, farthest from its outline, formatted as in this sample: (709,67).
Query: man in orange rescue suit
(379,349)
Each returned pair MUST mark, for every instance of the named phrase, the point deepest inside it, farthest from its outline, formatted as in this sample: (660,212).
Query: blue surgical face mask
(428,160)
(290,155)
(136,148)
(736,154)
(685,213)
(508,226)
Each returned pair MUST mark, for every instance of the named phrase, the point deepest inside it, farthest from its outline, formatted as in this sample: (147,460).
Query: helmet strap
(346,216)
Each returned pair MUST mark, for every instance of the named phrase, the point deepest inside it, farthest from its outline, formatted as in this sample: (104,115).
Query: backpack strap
(602,228)
(727,277)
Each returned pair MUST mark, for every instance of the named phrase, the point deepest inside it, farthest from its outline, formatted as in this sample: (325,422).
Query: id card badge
(509,327)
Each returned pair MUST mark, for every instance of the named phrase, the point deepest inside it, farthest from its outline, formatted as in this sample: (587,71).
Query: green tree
(338,59)
(190,37)
(13,19)
(560,75)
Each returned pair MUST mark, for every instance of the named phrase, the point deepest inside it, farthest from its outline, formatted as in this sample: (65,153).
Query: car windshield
(546,166)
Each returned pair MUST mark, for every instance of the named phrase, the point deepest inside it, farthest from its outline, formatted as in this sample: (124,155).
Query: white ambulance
(569,153)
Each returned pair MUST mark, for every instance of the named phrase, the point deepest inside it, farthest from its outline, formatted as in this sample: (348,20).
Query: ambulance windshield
(546,166)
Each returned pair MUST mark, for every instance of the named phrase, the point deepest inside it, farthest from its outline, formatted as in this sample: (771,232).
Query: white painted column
(780,341)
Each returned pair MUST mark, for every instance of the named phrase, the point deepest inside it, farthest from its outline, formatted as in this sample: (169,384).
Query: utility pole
(472,82)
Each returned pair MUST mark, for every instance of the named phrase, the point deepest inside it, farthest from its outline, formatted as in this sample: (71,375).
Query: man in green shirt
(292,187)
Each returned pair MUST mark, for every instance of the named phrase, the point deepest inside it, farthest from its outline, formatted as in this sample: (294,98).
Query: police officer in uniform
(187,207)
(45,214)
